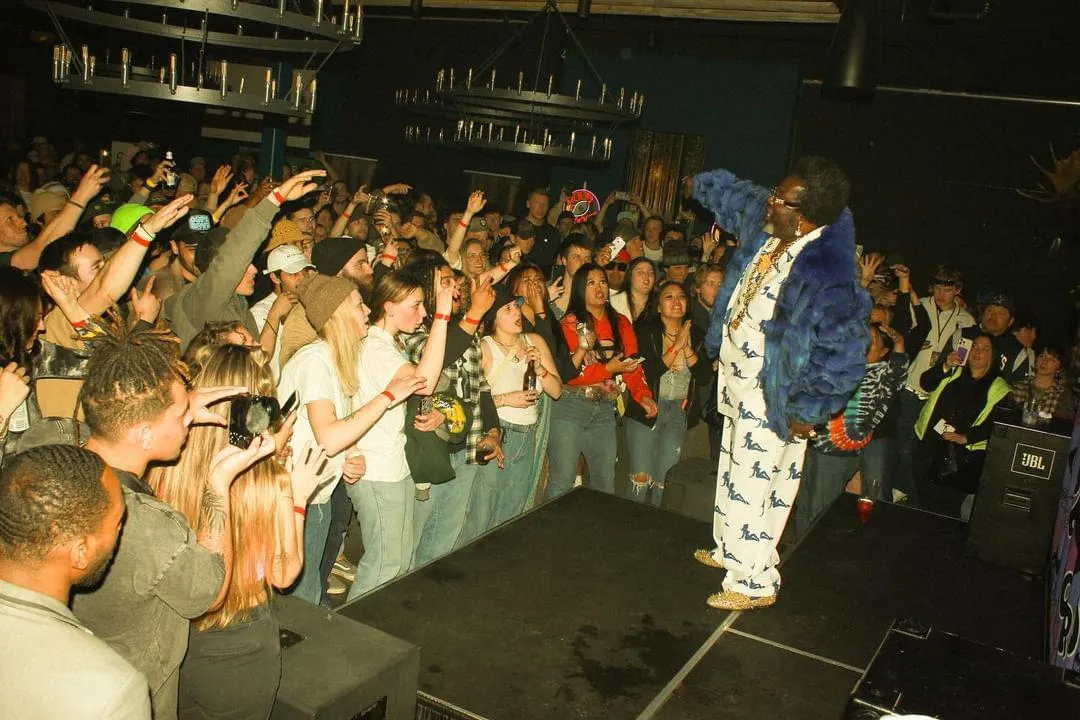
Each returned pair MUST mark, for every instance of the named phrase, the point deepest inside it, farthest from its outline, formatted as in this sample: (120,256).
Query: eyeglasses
(620,266)
(775,199)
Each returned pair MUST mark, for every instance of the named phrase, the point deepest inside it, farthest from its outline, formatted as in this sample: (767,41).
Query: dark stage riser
(589,606)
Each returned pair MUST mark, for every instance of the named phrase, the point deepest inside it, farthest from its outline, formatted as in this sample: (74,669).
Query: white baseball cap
(287,258)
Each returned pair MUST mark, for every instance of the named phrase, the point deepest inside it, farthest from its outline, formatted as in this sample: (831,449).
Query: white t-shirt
(310,373)
(260,311)
(383,446)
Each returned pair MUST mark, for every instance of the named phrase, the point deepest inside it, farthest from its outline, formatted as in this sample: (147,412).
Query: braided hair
(129,377)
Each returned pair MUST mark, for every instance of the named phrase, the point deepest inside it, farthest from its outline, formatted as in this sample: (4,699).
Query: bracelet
(469,321)
(390,396)
(302,512)
(463,224)
(386,256)
(142,236)
(441,316)
(278,198)
(78,205)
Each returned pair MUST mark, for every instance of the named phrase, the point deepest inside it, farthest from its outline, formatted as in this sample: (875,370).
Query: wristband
(441,316)
(502,266)
(79,324)
(468,320)
(150,184)
(302,512)
(463,224)
(142,236)
(278,198)
(390,396)
(391,258)
(76,204)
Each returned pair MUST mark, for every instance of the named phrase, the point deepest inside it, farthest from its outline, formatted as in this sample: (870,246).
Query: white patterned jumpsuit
(759,472)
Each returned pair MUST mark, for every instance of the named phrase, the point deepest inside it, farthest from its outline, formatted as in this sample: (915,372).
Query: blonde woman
(383,497)
(324,375)
(233,662)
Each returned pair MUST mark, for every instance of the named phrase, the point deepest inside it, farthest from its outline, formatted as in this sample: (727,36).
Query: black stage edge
(592,607)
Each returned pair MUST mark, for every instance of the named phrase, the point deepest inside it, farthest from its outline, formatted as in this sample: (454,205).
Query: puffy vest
(998,389)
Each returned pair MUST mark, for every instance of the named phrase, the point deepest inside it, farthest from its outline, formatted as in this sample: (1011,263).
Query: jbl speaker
(923,672)
(334,668)
(690,488)
(1017,502)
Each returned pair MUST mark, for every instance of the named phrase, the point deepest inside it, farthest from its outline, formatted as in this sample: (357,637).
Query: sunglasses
(620,266)
(775,199)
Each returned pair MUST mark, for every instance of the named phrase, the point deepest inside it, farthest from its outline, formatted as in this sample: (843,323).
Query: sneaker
(731,600)
(344,569)
(337,586)
(705,557)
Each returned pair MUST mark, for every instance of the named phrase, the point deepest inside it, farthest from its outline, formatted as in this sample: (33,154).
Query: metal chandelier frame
(533,120)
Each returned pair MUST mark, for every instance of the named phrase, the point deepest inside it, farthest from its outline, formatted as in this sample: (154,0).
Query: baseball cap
(627,231)
(97,208)
(287,258)
(330,255)
(193,228)
(628,215)
(477,224)
(43,201)
(1001,299)
(676,252)
(126,216)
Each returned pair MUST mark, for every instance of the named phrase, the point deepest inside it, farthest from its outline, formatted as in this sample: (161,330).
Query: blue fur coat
(816,343)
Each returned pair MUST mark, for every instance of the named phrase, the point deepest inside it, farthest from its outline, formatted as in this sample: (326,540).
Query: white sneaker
(344,569)
(337,586)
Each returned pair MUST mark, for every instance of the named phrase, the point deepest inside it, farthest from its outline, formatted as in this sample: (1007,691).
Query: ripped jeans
(653,450)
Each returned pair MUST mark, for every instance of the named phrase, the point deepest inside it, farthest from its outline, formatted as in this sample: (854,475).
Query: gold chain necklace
(753,284)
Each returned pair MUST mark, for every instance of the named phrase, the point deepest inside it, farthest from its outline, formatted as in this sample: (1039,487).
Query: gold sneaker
(731,600)
(705,557)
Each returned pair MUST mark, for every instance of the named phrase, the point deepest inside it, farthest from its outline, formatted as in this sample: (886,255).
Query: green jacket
(998,390)
(212,296)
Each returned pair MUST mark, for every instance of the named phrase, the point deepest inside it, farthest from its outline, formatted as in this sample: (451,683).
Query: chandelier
(476,108)
(206,24)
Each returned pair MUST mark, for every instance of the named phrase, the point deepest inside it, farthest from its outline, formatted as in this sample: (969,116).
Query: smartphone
(290,405)
(616,246)
(556,272)
(427,403)
(103,157)
(962,350)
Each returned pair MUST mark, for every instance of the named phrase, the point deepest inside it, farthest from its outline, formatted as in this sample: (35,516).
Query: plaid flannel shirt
(464,378)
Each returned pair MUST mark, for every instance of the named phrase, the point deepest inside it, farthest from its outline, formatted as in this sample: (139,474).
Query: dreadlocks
(129,377)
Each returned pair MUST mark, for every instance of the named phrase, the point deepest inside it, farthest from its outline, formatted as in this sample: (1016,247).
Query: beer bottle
(528,382)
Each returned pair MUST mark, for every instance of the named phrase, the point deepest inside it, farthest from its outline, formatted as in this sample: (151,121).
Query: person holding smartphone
(603,347)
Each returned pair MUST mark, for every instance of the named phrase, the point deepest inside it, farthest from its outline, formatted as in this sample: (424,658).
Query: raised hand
(201,400)
(300,184)
(90,185)
(396,189)
(147,306)
(238,195)
(482,297)
(556,289)
(305,473)
(444,300)
(476,202)
(161,171)
(231,461)
(222,177)
(63,289)
(168,215)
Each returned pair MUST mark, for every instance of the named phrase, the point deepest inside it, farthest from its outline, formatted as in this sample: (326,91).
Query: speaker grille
(429,707)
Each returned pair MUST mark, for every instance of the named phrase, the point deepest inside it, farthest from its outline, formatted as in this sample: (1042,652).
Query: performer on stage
(790,331)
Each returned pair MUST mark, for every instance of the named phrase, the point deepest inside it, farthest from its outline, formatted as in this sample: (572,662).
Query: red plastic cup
(864,506)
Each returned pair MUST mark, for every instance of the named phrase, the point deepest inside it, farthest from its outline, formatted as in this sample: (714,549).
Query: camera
(253,415)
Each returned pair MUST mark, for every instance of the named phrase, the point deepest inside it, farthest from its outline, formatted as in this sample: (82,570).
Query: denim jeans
(875,464)
(823,480)
(654,450)
(581,426)
(340,515)
(440,518)
(385,513)
(309,586)
(904,477)
(499,495)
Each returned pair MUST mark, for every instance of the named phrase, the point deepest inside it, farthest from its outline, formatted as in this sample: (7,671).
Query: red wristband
(469,320)
(302,512)
(79,324)
(463,224)
(502,266)
(384,256)
(441,316)
(389,396)
(278,198)
(142,236)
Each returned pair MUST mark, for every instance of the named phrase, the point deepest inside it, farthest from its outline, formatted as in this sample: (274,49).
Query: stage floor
(592,607)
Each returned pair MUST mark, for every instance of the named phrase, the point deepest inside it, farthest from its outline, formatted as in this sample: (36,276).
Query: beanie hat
(332,254)
(285,232)
(321,295)
(126,216)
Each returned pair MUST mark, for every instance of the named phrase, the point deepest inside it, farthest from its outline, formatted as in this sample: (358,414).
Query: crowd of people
(227,369)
